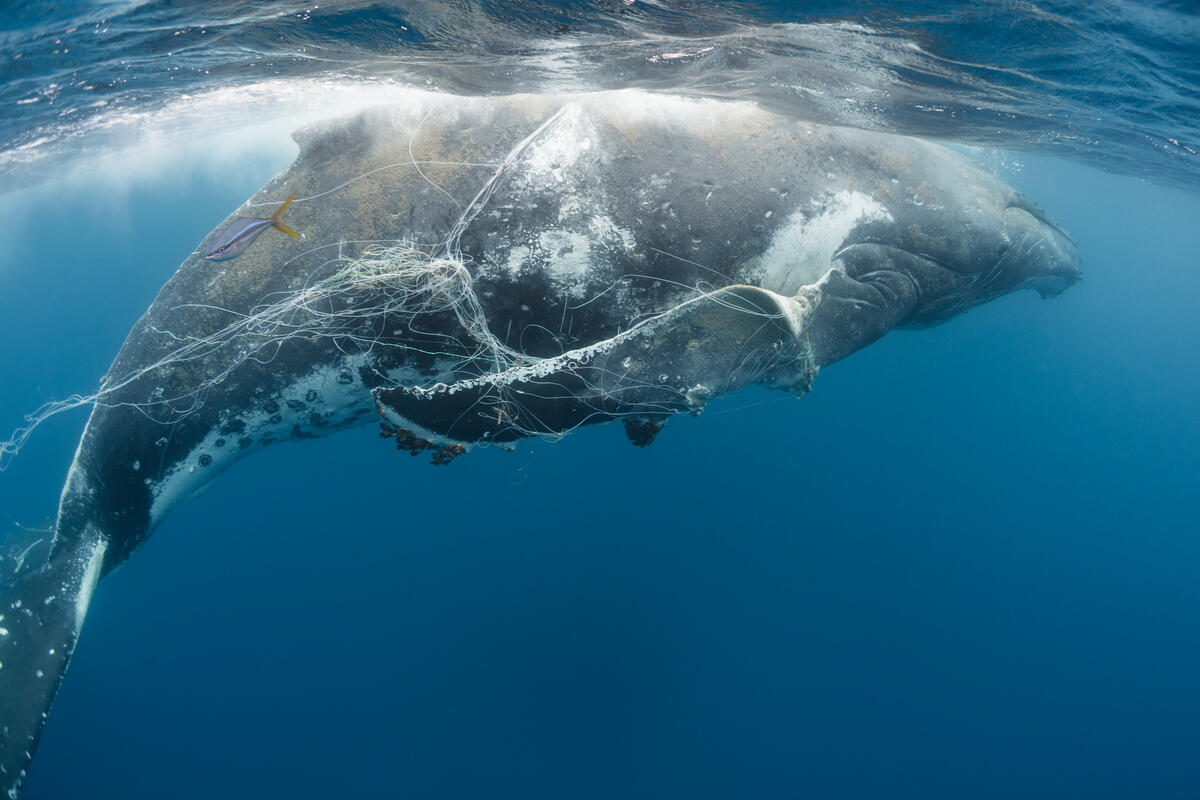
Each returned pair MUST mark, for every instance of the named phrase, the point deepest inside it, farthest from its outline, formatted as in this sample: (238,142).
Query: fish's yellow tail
(277,218)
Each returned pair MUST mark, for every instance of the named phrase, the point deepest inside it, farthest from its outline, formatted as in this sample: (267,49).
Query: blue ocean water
(966,565)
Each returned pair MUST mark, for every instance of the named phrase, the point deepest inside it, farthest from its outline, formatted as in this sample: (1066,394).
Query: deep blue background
(965,566)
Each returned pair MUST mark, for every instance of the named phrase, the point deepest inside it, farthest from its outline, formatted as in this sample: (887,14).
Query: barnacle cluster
(415,445)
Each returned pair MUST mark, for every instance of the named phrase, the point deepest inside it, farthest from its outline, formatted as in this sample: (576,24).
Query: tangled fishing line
(384,282)
(347,307)
(383,289)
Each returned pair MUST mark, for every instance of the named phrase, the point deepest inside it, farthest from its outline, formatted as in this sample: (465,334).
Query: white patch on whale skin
(518,257)
(569,253)
(87,583)
(562,158)
(609,233)
(568,259)
(801,252)
(560,146)
(75,484)
(569,241)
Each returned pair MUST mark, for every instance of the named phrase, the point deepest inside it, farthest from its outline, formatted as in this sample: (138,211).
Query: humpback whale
(479,270)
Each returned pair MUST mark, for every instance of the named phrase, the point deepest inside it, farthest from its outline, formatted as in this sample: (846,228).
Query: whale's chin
(1049,286)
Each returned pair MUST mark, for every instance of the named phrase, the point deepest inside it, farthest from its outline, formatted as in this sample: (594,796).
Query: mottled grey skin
(765,249)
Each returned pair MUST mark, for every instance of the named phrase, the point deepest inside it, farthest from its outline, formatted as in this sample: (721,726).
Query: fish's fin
(279,226)
(277,218)
(279,211)
(40,619)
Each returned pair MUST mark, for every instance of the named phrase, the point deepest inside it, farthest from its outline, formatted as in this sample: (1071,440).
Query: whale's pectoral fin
(40,618)
(642,429)
(714,344)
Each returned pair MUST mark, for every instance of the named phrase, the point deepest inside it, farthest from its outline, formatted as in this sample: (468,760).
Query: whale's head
(1041,255)
(960,233)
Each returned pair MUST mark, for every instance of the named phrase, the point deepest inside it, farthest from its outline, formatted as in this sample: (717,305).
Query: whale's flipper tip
(40,618)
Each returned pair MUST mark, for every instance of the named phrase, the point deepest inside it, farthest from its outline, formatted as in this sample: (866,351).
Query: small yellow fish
(235,237)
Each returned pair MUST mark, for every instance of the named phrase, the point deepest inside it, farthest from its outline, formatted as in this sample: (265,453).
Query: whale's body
(478,270)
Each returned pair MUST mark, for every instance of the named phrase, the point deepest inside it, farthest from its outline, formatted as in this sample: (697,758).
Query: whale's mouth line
(1035,212)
